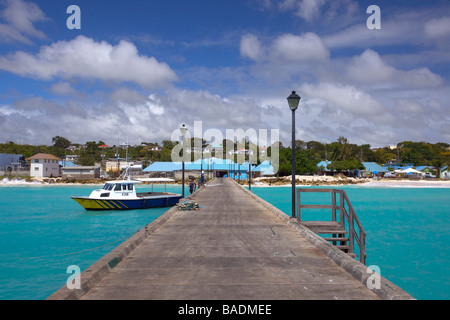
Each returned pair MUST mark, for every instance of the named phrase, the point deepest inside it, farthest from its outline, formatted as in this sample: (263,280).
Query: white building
(117,166)
(81,172)
(44,165)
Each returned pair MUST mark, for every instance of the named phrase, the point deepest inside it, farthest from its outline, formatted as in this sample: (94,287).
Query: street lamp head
(293,100)
(183,130)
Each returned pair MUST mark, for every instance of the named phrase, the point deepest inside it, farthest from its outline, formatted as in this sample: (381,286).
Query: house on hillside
(11,162)
(44,165)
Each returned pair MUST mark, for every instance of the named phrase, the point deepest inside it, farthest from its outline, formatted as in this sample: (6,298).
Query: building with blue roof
(265,169)
(324,164)
(65,163)
(163,167)
(212,167)
(369,168)
(372,167)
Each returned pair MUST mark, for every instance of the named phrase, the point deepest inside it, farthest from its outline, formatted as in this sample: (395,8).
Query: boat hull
(122,204)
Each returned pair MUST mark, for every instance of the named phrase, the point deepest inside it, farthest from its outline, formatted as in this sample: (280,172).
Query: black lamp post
(293,101)
(183,130)
(249,167)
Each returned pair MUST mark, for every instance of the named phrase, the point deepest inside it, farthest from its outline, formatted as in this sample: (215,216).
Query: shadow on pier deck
(237,246)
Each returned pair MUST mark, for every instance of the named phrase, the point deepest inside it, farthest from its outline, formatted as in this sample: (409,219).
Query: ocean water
(407,232)
(43,232)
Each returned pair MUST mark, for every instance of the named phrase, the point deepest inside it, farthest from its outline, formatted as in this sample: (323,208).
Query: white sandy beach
(409,183)
(286,182)
(367,182)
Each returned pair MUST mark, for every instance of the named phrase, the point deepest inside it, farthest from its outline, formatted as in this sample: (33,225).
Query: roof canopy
(374,167)
(43,156)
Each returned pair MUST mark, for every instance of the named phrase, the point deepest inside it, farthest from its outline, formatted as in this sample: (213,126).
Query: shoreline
(308,181)
(301,181)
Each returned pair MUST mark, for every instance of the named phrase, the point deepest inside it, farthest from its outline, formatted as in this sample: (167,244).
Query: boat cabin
(118,189)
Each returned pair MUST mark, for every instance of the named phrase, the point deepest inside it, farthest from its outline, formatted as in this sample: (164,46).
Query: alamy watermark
(74,21)
(374,21)
(236,141)
(374,280)
(74,280)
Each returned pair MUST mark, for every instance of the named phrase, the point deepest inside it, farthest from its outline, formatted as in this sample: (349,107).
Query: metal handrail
(344,215)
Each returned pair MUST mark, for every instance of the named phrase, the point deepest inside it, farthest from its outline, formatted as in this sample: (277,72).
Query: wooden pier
(235,247)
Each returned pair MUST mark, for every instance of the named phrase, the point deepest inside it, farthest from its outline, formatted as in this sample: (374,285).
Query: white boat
(122,195)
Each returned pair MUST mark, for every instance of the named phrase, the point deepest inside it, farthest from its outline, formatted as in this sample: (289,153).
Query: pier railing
(346,222)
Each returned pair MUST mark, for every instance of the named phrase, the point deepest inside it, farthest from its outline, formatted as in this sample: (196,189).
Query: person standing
(192,186)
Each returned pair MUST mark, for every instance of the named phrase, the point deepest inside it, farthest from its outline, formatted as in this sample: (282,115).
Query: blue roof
(421,168)
(163,167)
(209,163)
(67,164)
(265,168)
(324,164)
(374,167)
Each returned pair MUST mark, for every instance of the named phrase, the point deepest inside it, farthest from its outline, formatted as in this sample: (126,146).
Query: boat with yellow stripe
(122,195)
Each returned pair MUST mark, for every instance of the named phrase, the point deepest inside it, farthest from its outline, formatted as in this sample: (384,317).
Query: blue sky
(137,70)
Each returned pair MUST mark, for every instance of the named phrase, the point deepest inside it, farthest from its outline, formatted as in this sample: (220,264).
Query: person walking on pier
(192,186)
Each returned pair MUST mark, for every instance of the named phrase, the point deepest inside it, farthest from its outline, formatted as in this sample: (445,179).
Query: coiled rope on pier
(188,205)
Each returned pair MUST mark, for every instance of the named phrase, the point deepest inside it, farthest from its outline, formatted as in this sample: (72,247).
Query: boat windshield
(123,187)
(108,186)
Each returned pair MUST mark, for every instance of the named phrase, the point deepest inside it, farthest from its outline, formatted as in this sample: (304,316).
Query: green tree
(340,166)
(318,150)
(61,142)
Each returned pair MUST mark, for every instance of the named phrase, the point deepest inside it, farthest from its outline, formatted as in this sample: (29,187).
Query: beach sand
(409,183)
(330,180)
(277,182)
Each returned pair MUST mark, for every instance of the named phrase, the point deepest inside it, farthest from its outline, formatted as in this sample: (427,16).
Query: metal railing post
(341,209)
(351,230)
(333,204)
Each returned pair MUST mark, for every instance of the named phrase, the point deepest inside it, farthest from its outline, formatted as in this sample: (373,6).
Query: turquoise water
(408,232)
(43,231)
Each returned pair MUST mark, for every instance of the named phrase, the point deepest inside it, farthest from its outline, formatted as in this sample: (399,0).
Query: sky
(137,70)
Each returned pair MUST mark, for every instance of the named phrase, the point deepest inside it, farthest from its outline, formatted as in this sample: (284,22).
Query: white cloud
(285,48)
(84,58)
(309,9)
(335,13)
(306,47)
(126,112)
(344,98)
(250,47)
(370,68)
(63,89)
(422,77)
(409,107)
(438,27)
(18,19)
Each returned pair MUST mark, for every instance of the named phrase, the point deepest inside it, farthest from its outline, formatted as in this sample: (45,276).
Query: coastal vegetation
(342,154)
